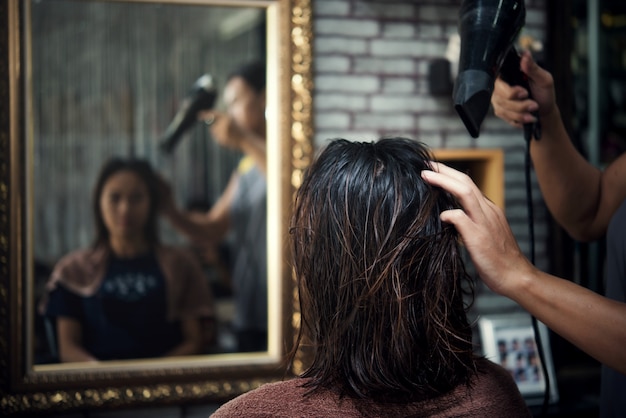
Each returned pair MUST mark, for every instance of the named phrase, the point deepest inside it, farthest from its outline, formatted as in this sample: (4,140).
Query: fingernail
(533,107)
(529,119)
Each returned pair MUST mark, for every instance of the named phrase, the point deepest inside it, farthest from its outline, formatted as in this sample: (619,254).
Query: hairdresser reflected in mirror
(587,202)
(241,209)
(128,296)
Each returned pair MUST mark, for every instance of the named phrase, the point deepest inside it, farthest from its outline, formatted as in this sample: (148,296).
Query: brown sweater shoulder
(492,393)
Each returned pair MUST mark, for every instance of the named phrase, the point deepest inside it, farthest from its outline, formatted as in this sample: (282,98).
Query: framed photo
(509,340)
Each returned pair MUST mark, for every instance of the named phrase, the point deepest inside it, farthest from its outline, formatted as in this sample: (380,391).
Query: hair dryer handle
(512,75)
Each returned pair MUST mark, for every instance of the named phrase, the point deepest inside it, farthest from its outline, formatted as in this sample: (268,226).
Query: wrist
(519,282)
(551,119)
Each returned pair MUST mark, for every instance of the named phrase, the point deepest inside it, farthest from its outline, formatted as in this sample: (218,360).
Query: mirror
(84,80)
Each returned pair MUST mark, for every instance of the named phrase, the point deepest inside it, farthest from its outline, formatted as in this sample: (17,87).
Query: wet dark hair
(253,73)
(144,171)
(380,277)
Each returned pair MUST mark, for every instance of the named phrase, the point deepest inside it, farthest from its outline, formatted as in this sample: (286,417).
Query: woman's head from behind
(126,202)
(380,277)
(245,97)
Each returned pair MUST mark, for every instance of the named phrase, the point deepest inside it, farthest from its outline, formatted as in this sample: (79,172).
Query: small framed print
(509,340)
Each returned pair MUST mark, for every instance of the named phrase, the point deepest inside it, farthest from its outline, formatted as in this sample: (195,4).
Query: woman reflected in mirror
(128,296)
(241,210)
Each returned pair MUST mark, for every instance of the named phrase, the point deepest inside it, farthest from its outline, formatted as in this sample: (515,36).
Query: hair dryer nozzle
(487,29)
(472,97)
(201,97)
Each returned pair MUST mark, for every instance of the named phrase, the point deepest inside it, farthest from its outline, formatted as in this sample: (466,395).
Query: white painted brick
(384,9)
(398,85)
(347,83)
(398,30)
(449,29)
(381,66)
(430,30)
(323,136)
(409,48)
(535,17)
(401,133)
(355,28)
(331,8)
(444,104)
(438,13)
(433,140)
(422,86)
(438,122)
(458,140)
(326,101)
(507,137)
(334,63)
(422,68)
(332,120)
(412,103)
(331,44)
(494,123)
(395,121)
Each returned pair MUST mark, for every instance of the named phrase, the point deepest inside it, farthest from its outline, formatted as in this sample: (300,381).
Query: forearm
(194,227)
(186,348)
(74,353)
(69,335)
(595,324)
(192,339)
(570,185)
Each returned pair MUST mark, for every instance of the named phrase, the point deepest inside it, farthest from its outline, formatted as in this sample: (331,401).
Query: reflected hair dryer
(201,96)
(487,29)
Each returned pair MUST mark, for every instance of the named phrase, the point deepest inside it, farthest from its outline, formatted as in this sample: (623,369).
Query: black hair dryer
(201,96)
(487,30)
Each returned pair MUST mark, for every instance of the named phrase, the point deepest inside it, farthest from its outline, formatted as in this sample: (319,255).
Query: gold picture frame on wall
(25,388)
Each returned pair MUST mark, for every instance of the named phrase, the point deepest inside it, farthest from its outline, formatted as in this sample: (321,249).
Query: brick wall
(371,80)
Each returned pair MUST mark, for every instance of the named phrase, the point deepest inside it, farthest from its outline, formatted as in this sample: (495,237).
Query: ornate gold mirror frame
(26,389)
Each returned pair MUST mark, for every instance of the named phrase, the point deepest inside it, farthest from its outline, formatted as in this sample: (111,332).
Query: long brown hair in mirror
(83,81)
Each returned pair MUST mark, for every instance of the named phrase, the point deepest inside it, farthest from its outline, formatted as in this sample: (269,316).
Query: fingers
(511,104)
(529,66)
(458,218)
(504,91)
(209,117)
(448,177)
(458,184)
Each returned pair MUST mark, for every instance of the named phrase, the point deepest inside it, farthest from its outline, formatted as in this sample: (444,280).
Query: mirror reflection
(139,252)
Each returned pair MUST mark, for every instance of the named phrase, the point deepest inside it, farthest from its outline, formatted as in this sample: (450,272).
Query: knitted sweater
(493,393)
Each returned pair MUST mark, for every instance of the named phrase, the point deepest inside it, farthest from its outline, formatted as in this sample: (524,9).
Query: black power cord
(531,230)
(510,72)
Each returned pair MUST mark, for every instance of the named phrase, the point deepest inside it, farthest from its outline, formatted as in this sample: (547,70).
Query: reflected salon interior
(136,99)
(151,152)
